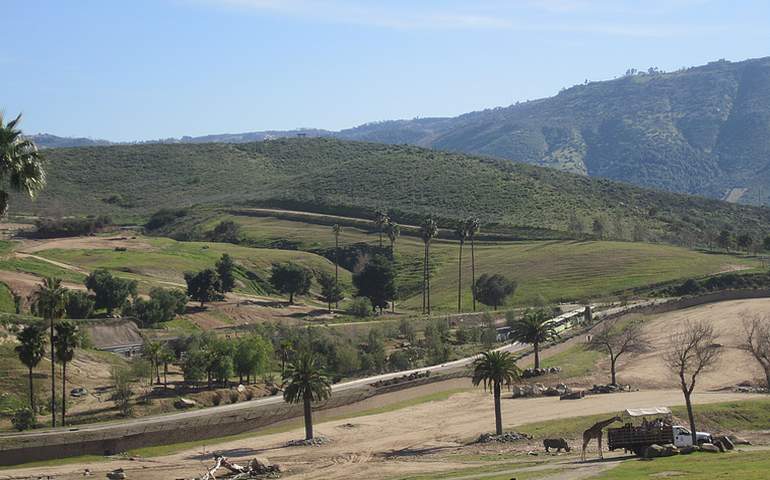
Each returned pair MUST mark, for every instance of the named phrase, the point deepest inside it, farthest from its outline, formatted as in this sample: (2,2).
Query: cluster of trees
(211,284)
(70,227)
(727,240)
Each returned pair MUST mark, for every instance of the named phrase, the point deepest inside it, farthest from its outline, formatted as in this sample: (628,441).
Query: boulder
(688,449)
(653,451)
(669,450)
(709,447)
(576,395)
(738,440)
(184,403)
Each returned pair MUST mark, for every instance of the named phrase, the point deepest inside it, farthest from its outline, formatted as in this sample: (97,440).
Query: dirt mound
(112,332)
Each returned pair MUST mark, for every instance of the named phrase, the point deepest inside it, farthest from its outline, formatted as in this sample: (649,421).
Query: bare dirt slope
(385,445)
(726,317)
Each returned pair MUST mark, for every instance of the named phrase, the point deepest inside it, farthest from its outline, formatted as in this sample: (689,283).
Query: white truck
(659,431)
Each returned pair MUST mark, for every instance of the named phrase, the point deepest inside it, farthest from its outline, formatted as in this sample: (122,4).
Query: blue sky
(146,69)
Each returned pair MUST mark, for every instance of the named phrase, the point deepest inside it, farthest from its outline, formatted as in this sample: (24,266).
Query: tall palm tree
(49,299)
(381,219)
(20,162)
(534,328)
(472,228)
(67,340)
(337,229)
(461,231)
(428,231)
(393,231)
(31,349)
(306,383)
(493,369)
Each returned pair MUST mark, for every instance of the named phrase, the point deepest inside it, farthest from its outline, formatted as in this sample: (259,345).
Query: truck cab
(683,437)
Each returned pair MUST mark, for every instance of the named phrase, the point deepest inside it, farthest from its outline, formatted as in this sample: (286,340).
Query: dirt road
(380,446)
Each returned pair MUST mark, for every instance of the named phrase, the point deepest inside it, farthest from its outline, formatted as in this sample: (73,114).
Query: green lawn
(6,299)
(698,466)
(575,361)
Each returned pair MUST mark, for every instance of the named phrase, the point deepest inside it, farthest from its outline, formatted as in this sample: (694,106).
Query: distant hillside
(46,140)
(703,130)
(322,174)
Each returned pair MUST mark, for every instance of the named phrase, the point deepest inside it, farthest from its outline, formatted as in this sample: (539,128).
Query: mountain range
(702,130)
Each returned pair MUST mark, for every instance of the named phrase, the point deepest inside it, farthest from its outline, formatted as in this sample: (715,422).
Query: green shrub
(360,307)
(23,419)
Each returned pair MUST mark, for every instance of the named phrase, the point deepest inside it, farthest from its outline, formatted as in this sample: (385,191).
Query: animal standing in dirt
(558,443)
(596,432)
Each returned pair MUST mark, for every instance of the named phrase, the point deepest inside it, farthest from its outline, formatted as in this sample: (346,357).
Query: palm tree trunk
(63,393)
(53,380)
(157,372)
(336,266)
(473,271)
(308,419)
(424,266)
(165,376)
(427,274)
(31,391)
(537,354)
(460,281)
(498,413)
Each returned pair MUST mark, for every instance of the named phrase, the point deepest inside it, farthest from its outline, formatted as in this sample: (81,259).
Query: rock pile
(611,388)
(314,442)
(537,372)
(506,437)
(401,379)
(538,389)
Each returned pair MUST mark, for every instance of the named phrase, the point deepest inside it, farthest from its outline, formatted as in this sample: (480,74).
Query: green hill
(703,130)
(328,175)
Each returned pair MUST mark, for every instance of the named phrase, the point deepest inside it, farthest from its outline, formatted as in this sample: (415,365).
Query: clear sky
(147,69)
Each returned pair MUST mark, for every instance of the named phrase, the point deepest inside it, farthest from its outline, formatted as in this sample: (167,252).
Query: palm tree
(166,356)
(20,162)
(393,231)
(535,328)
(306,383)
(472,228)
(49,300)
(31,350)
(461,231)
(381,219)
(428,231)
(493,369)
(337,229)
(151,351)
(67,340)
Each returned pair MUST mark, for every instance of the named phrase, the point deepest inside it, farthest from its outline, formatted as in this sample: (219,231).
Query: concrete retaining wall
(111,439)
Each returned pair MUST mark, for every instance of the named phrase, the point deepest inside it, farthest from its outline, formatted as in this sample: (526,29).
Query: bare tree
(692,351)
(616,338)
(756,340)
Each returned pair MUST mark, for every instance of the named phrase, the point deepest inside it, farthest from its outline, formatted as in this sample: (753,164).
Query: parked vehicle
(78,392)
(658,431)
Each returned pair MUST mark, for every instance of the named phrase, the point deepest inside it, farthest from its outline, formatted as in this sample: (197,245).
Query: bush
(234,397)
(360,307)
(79,304)
(70,227)
(23,419)
(164,217)
(217,399)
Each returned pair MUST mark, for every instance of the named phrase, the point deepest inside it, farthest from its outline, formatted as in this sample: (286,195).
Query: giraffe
(596,432)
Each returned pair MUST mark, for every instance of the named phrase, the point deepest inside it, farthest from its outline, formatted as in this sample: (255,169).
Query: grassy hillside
(699,130)
(163,262)
(356,178)
(553,270)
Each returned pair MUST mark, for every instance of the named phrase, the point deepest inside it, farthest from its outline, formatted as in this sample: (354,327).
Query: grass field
(716,417)
(698,466)
(166,261)
(553,270)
